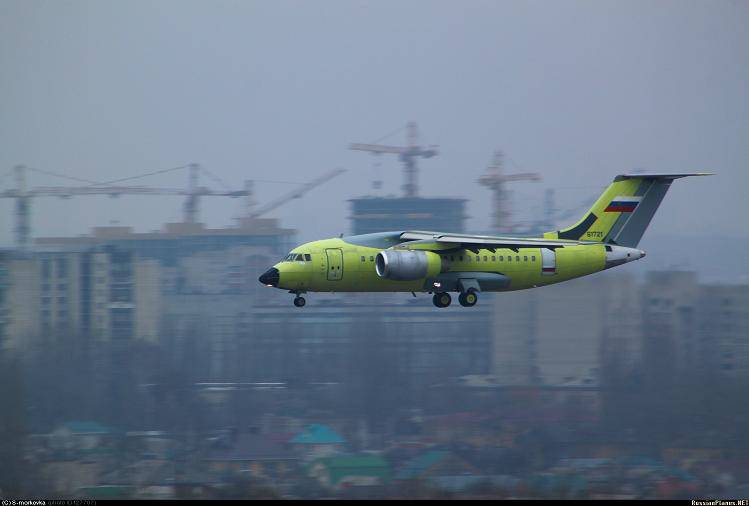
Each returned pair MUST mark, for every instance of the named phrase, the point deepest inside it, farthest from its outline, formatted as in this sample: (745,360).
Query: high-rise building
(670,338)
(379,214)
(4,300)
(393,337)
(100,293)
(561,334)
(20,304)
(159,286)
(723,329)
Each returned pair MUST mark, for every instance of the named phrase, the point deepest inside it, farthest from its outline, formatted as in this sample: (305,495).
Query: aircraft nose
(270,277)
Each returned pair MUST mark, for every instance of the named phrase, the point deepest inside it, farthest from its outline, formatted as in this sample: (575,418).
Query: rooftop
(250,447)
(318,434)
(87,427)
(171,231)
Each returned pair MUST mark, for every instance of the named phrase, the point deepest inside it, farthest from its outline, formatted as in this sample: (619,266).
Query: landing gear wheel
(299,301)
(442,299)
(469,298)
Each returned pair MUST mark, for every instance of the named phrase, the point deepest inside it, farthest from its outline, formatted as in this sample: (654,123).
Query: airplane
(439,263)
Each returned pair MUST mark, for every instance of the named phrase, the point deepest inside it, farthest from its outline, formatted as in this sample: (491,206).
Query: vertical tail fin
(624,210)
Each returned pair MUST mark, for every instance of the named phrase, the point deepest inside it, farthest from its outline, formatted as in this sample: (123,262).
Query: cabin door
(548,262)
(335,264)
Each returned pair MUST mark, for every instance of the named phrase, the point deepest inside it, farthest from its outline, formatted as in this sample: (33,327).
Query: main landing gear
(441,299)
(468,298)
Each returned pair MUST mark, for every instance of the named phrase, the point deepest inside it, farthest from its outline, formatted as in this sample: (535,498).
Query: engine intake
(407,265)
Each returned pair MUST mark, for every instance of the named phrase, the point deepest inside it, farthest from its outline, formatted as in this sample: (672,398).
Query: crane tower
(495,179)
(408,154)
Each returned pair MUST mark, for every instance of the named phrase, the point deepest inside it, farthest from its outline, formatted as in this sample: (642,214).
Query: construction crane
(496,180)
(294,194)
(408,155)
(193,193)
(23,195)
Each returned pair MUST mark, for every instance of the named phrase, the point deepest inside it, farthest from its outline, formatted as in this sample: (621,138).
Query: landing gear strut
(299,301)
(468,298)
(441,299)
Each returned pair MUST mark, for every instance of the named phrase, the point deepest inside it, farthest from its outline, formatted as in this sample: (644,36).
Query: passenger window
(308,257)
(485,258)
(371,259)
(517,258)
(509,259)
(501,258)
(533,258)
(461,258)
(469,259)
(363,259)
(478,258)
(525,259)
(494,258)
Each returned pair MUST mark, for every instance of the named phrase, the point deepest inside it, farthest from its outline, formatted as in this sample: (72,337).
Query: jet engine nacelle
(407,265)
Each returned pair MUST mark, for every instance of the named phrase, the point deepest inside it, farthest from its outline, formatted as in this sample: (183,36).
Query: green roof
(106,491)
(87,427)
(318,434)
(418,465)
(357,465)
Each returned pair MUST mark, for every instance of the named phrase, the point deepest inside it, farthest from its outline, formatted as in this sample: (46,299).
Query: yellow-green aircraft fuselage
(440,263)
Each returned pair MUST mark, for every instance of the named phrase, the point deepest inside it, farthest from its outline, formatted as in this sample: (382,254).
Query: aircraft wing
(443,241)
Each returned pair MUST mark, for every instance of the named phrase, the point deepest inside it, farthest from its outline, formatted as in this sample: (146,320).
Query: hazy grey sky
(579,91)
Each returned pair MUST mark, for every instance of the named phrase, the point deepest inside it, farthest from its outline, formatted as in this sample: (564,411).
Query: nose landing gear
(299,301)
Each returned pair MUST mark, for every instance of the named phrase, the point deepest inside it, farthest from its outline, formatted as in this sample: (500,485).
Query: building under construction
(410,212)
(117,285)
(179,240)
(193,193)
(380,214)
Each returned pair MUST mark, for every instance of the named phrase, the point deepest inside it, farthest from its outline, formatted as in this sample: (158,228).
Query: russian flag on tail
(622,204)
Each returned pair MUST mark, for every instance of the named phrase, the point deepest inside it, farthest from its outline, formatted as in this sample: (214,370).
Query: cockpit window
(298,257)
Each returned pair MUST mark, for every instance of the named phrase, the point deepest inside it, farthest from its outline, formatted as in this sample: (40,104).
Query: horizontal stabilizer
(622,177)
